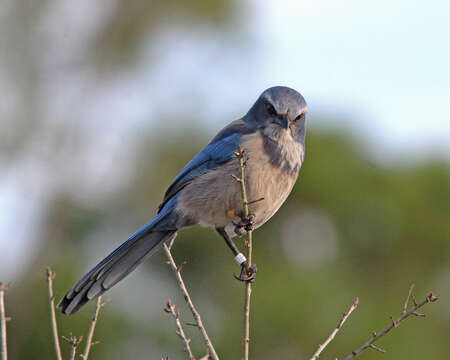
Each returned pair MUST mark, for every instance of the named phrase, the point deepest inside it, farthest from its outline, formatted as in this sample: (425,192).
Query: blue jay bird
(272,134)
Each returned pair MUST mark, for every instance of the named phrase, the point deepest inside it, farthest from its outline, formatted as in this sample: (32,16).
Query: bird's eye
(298,118)
(270,109)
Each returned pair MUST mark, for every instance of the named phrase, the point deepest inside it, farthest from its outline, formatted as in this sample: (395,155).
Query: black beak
(283,121)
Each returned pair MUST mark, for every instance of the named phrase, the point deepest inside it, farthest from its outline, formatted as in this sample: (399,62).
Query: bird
(272,135)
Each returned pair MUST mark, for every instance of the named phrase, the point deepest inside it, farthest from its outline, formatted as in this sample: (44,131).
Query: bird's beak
(283,121)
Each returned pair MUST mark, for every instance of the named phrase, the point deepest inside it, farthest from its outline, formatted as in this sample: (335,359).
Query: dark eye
(298,118)
(270,109)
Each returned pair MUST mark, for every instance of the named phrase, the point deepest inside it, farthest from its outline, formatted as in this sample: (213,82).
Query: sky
(388,60)
(379,69)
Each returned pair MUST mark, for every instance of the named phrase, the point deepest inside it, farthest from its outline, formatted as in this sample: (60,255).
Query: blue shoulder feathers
(218,151)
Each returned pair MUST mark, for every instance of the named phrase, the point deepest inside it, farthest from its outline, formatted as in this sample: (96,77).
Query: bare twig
(405,306)
(74,342)
(187,297)
(249,247)
(394,323)
(335,331)
(89,342)
(3,319)
(170,309)
(50,276)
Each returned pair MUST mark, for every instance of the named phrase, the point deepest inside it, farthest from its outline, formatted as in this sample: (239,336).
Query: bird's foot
(248,273)
(246,224)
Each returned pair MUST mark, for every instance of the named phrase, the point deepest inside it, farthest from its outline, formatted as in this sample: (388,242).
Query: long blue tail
(122,261)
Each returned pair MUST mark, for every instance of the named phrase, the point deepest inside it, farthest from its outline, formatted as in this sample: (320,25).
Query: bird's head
(279,111)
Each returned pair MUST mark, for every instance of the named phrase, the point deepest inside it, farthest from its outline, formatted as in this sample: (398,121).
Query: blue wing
(218,151)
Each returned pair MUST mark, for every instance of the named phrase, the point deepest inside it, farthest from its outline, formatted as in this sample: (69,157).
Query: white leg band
(240,258)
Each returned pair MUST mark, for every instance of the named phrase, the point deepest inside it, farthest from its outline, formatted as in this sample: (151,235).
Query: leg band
(240,258)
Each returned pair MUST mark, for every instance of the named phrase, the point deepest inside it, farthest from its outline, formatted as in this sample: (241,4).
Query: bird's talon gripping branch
(248,273)
(249,222)
(246,224)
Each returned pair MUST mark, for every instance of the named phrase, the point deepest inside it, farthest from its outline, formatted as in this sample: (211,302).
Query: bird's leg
(247,272)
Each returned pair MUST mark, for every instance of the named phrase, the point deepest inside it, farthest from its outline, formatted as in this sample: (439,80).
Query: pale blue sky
(387,60)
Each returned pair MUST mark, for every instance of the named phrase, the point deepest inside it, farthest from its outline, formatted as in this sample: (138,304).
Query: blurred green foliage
(392,229)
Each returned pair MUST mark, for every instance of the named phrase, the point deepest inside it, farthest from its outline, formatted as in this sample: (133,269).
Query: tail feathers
(114,268)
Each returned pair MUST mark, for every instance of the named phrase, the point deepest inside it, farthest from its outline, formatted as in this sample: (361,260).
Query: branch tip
(344,317)
(405,306)
(394,323)
(377,348)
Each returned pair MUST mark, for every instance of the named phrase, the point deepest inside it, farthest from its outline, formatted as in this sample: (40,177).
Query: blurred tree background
(90,137)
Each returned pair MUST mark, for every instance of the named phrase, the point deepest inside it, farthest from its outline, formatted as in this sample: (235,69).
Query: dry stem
(74,342)
(170,309)
(249,247)
(3,289)
(187,297)
(394,323)
(89,343)
(50,276)
(335,331)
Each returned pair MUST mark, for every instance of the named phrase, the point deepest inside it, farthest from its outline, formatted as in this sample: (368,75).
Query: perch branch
(50,276)
(170,309)
(3,319)
(187,297)
(249,247)
(394,323)
(74,342)
(336,330)
(89,343)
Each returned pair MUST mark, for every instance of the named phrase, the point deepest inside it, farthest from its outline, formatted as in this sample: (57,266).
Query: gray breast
(272,171)
(285,153)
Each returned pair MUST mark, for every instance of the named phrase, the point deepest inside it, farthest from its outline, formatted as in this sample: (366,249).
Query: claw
(247,274)
(247,224)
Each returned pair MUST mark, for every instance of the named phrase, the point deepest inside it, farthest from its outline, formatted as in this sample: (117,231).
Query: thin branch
(395,323)
(249,247)
(170,309)
(3,319)
(50,276)
(87,347)
(187,297)
(336,330)
(405,306)
(74,342)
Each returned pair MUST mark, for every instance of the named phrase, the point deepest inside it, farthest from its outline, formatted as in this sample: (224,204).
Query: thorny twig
(170,309)
(394,323)
(89,343)
(74,342)
(3,319)
(249,246)
(187,297)
(50,276)
(336,330)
